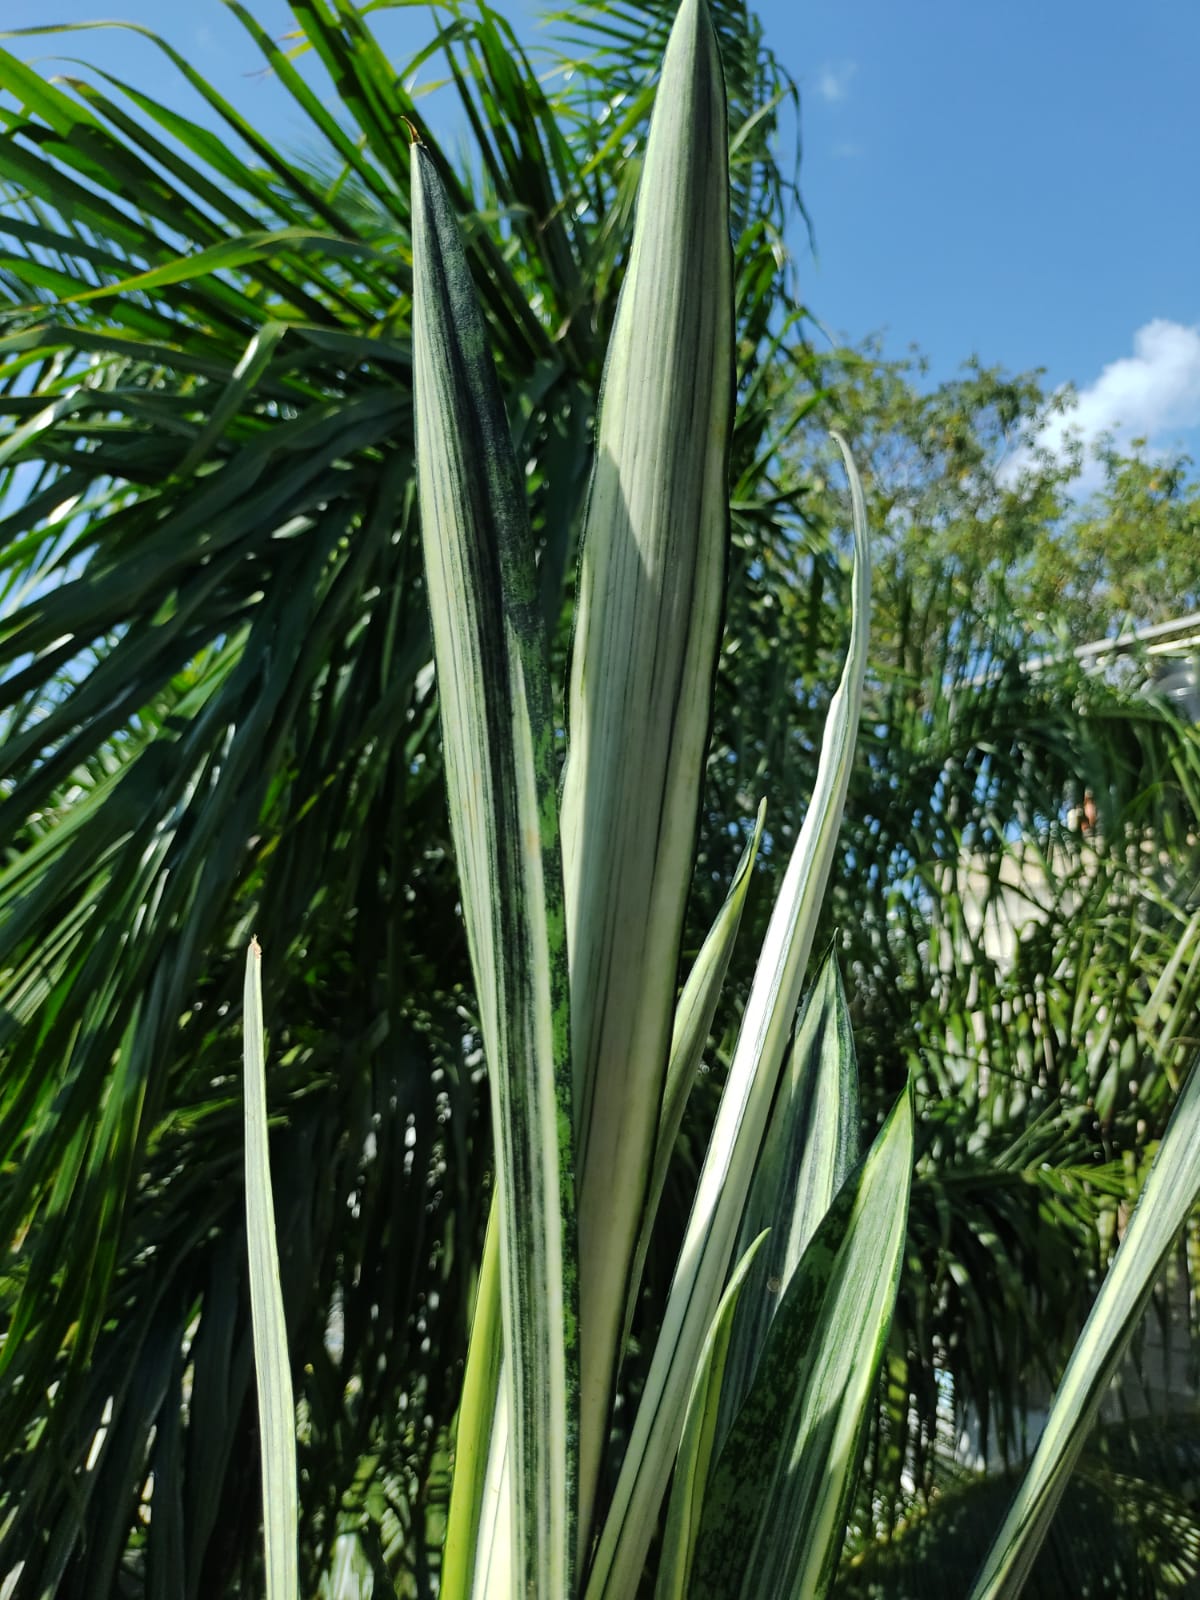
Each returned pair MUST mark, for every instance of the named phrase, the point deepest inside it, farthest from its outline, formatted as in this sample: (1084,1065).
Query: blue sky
(1017,182)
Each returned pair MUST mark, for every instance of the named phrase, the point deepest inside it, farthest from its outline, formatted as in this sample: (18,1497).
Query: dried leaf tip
(255,947)
(413,136)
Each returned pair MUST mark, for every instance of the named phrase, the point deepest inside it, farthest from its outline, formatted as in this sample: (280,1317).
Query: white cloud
(833,82)
(1153,392)
(1156,388)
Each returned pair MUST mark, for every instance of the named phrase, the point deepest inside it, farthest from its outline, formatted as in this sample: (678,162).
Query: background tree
(963,478)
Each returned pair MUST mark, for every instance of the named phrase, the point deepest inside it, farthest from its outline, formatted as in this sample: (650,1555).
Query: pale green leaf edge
(473,1430)
(810,1148)
(272,1369)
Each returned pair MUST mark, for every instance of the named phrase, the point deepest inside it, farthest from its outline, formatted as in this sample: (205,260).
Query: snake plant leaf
(698,1445)
(646,631)
(775,1511)
(810,1149)
(273,1373)
(729,1163)
(693,1019)
(498,739)
(1170,1192)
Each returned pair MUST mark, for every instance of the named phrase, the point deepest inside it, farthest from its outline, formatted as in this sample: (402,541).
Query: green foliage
(1039,978)
(1130,551)
(762,1504)
(959,481)
(218,715)
(646,622)
(1114,1536)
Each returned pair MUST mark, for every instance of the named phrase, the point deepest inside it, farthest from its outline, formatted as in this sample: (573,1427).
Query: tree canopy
(1086,542)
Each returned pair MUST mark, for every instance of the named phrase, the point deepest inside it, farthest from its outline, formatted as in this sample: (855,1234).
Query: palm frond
(217,716)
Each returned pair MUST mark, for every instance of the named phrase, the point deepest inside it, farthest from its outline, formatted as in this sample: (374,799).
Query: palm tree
(217,717)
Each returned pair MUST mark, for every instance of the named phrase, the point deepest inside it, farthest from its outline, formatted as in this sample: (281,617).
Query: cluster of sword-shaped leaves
(749,1428)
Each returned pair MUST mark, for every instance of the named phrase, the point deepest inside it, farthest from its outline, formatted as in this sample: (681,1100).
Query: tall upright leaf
(276,1407)
(694,1014)
(646,630)
(746,1100)
(498,738)
(475,1423)
(697,1447)
(810,1148)
(775,1511)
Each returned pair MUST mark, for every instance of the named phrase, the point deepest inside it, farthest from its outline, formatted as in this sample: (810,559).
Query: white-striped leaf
(273,1373)
(498,742)
(733,1150)
(697,1447)
(646,631)
(810,1149)
(775,1512)
(1170,1193)
(693,1020)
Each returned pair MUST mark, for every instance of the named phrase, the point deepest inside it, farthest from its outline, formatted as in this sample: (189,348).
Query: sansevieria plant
(726,1470)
